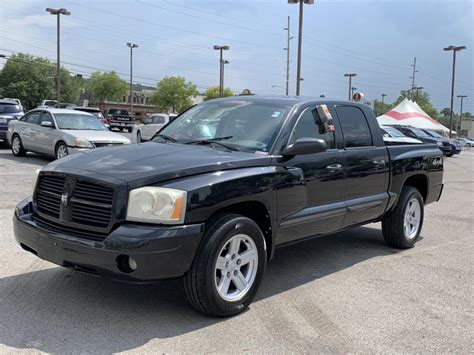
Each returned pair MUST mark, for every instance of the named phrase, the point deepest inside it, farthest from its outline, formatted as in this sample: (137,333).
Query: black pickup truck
(219,188)
(119,118)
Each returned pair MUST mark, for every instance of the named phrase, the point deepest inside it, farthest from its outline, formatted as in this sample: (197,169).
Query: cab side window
(158,119)
(354,126)
(309,125)
(33,118)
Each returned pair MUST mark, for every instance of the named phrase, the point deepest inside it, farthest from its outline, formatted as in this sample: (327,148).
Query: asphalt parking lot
(342,293)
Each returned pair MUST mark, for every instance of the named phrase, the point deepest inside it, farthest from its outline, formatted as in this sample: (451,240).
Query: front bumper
(159,252)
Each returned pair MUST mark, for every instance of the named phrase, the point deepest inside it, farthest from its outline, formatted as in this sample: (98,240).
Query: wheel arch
(419,182)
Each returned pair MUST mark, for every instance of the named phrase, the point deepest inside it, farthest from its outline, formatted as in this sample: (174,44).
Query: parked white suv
(153,124)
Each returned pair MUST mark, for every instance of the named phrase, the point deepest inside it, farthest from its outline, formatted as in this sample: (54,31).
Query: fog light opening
(126,264)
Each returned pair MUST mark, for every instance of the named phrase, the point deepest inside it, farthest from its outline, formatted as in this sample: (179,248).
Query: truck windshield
(393,132)
(78,122)
(433,133)
(420,133)
(246,125)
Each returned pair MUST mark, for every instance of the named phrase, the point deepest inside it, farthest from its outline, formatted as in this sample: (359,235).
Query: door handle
(379,163)
(334,167)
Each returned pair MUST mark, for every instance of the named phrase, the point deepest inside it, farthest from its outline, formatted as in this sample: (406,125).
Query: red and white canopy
(409,113)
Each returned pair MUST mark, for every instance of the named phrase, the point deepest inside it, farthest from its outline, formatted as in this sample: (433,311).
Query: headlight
(83,143)
(35,178)
(440,143)
(156,205)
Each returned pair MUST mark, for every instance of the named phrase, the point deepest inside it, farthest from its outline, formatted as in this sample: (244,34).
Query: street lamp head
(3,56)
(454,48)
(132,45)
(224,48)
(61,11)
(350,74)
(226,62)
(308,2)
(462,96)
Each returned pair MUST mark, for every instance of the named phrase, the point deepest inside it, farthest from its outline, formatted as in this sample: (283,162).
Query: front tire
(139,137)
(17,146)
(61,150)
(228,267)
(402,227)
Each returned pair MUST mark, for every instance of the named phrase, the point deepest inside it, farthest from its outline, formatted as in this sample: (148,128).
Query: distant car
(394,136)
(93,111)
(59,132)
(455,146)
(47,103)
(152,124)
(421,135)
(9,110)
(16,100)
(119,118)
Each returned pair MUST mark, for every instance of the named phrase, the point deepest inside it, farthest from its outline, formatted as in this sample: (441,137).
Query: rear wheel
(17,146)
(402,227)
(139,137)
(61,150)
(228,267)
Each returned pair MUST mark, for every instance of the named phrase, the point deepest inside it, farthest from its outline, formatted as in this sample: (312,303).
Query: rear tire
(228,267)
(402,227)
(449,155)
(17,146)
(130,130)
(139,137)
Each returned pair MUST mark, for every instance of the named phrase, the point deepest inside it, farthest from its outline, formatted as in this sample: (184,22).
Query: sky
(376,39)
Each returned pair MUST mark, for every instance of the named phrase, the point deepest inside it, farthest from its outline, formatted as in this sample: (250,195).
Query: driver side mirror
(304,146)
(47,124)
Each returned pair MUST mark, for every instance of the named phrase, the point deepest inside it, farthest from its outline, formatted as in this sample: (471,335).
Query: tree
(422,99)
(445,111)
(174,92)
(213,93)
(32,79)
(379,109)
(107,86)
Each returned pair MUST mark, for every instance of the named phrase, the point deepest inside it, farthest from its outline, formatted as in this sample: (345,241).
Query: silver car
(153,124)
(59,132)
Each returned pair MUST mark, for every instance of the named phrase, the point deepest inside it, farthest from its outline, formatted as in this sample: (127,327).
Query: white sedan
(59,132)
(152,125)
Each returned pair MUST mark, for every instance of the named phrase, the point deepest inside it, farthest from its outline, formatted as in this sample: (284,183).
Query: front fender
(211,192)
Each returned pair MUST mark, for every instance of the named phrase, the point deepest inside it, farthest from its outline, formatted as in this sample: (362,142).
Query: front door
(45,135)
(311,191)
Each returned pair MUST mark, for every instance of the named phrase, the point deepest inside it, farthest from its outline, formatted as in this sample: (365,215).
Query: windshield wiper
(166,138)
(216,141)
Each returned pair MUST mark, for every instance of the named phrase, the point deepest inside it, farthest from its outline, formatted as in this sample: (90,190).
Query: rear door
(312,192)
(366,166)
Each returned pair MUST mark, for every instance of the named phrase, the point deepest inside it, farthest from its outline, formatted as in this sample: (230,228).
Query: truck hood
(151,162)
(98,136)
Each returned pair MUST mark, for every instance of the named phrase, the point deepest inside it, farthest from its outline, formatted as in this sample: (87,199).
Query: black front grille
(48,195)
(74,202)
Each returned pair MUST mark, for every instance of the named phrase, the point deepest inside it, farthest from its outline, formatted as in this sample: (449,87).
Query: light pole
(131,46)
(300,41)
(460,110)
(58,13)
(350,82)
(221,68)
(352,90)
(417,88)
(383,98)
(413,77)
(287,49)
(454,49)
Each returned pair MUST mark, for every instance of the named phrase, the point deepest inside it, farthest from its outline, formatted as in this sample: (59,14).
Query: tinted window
(33,118)
(117,111)
(158,119)
(309,125)
(354,126)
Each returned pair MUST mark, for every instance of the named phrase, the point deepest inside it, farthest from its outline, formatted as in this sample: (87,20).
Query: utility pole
(131,46)
(58,13)
(300,40)
(287,49)
(454,49)
(350,83)
(413,77)
(460,111)
(221,68)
